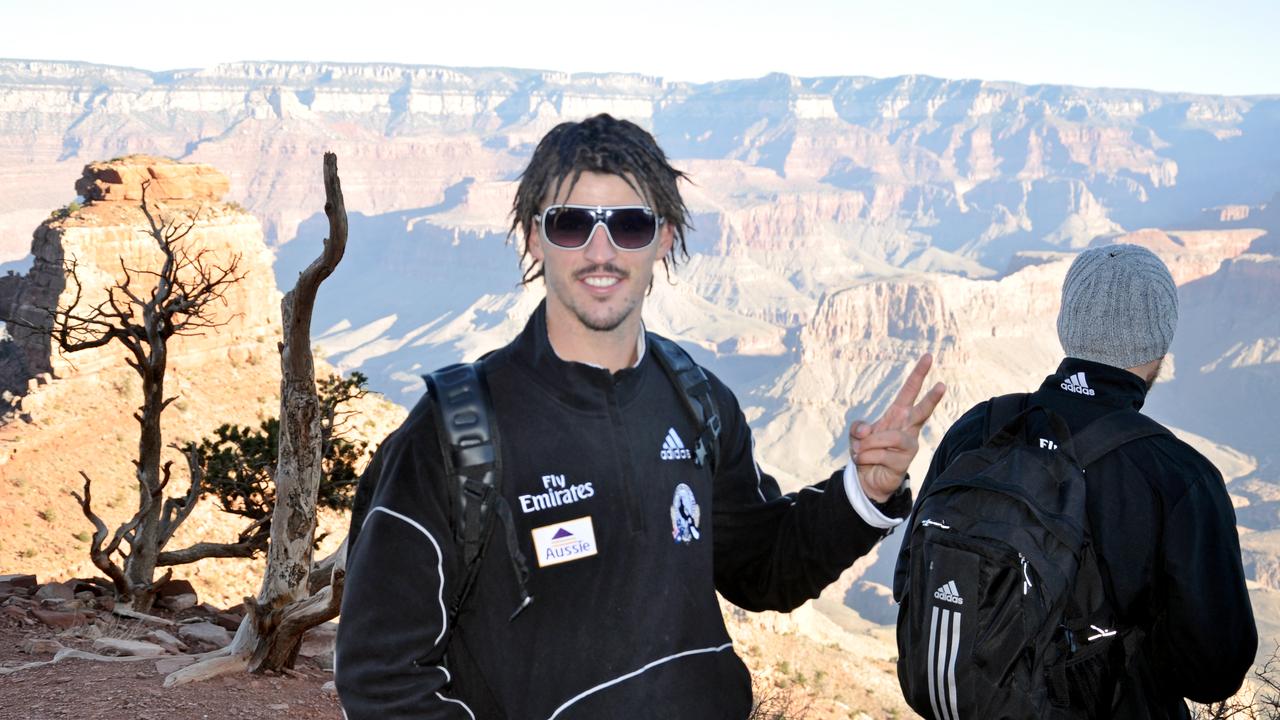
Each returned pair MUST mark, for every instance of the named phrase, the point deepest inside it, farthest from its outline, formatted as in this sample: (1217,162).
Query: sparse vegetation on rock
(67,210)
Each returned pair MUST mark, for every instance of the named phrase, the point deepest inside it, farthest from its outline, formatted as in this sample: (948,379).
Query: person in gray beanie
(1119,308)
(1159,517)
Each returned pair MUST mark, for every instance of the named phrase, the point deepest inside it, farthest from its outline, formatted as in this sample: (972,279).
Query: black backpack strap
(1096,440)
(468,439)
(1109,432)
(1001,411)
(466,433)
(695,392)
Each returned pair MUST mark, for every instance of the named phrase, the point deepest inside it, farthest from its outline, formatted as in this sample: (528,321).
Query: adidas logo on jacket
(1077,384)
(673,448)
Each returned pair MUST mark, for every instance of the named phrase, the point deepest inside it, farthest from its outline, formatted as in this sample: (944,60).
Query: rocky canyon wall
(970,167)
(842,226)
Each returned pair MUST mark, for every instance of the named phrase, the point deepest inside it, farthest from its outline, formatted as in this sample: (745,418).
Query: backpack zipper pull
(1101,633)
(1026,576)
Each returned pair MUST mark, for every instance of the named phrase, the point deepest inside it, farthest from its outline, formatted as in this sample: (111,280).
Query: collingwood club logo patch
(565,541)
(685,515)
(673,448)
(1077,384)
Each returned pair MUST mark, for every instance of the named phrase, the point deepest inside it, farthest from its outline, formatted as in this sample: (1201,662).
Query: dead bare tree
(271,632)
(142,312)
(1258,699)
(777,703)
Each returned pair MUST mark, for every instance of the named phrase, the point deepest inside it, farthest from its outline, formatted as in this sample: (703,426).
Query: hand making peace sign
(883,450)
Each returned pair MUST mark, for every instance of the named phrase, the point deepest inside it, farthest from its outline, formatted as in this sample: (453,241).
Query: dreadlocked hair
(599,144)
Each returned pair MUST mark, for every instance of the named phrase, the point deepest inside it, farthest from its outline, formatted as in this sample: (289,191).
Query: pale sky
(1228,47)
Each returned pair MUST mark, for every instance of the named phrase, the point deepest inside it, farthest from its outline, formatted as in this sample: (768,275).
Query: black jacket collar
(1096,383)
(582,386)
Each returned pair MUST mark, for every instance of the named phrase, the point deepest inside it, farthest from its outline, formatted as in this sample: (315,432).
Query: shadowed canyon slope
(843,226)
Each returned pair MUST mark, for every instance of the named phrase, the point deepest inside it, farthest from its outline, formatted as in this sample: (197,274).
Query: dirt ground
(134,690)
(794,677)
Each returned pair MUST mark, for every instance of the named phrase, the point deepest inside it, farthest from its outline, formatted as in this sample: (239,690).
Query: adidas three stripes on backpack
(1003,611)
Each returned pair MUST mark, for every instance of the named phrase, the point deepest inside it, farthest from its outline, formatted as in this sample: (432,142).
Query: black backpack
(1003,609)
(469,446)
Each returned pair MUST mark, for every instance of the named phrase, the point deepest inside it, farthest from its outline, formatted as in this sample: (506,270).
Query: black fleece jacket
(1165,535)
(631,630)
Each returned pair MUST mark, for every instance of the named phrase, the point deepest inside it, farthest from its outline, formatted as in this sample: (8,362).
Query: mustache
(609,268)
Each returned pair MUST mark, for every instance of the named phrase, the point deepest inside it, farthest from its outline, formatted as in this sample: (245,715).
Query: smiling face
(597,287)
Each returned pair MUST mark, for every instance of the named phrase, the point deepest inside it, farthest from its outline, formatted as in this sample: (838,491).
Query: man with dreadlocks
(628,495)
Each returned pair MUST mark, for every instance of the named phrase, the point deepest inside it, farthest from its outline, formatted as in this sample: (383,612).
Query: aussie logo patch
(685,515)
(564,542)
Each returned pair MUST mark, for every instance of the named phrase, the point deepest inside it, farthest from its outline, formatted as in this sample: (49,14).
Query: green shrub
(66,211)
(238,464)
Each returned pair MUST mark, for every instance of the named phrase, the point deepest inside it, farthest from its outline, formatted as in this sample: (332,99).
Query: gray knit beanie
(1119,307)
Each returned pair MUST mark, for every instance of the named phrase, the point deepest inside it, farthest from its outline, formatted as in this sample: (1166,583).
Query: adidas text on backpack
(1001,586)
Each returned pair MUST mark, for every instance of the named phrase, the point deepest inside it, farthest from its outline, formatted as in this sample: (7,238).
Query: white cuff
(862,504)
